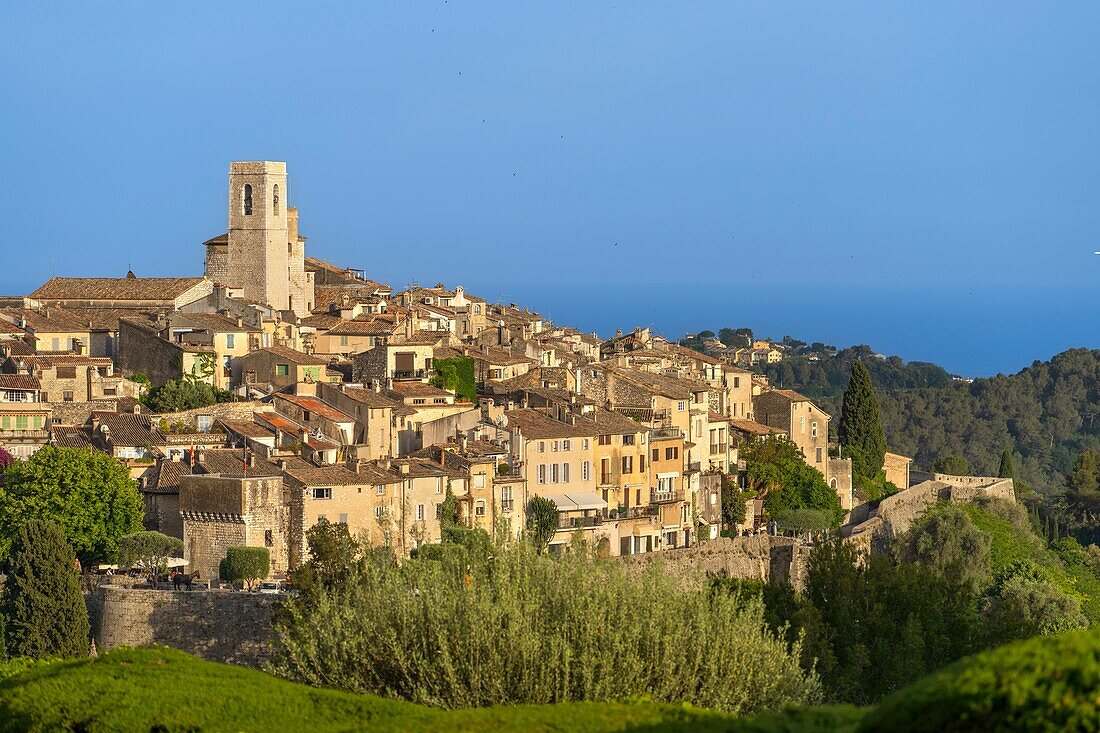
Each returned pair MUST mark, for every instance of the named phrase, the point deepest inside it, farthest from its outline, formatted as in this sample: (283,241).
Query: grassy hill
(1043,684)
(163,690)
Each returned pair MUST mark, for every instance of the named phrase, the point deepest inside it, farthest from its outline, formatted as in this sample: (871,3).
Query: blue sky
(749,151)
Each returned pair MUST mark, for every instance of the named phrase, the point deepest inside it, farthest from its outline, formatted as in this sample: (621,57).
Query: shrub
(1044,684)
(1025,603)
(148,550)
(246,564)
(524,628)
(42,603)
(542,521)
(946,540)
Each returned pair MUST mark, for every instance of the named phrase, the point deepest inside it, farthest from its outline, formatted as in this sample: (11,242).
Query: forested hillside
(1044,414)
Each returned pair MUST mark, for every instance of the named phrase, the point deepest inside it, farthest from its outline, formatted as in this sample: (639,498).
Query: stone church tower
(262,258)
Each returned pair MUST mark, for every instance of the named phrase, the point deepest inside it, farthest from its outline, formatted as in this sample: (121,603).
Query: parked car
(270,586)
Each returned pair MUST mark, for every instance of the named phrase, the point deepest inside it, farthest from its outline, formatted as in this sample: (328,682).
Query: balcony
(579,522)
(666,497)
(409,374)
(668,432)
(634,512)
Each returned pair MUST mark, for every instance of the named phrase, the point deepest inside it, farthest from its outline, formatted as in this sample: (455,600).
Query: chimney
(386,463)
(403,468)
(200,457)
(240,322)
(281,463)
(250,459)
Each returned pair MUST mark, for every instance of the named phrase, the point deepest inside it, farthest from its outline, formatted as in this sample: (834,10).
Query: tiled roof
(364,327)
(77,413)
(754,428)
(47,361)
(418,389)
(47,320)
(19,382)
(421,338)
(114,288)
(315,406)
(217,323)
(72,437)
(322,321)
(297,357)
(247,428)
(130,430)
(368,397)
(166,478)
(334,476)
(608,422)
(679,389)
(790,394)
(231,461)
(539,425)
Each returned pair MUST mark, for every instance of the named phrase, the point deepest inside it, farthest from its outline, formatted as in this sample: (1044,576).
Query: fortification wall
(760,557)
(219,626)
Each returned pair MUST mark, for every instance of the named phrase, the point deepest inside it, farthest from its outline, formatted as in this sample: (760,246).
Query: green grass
(1011,544)
(159,689)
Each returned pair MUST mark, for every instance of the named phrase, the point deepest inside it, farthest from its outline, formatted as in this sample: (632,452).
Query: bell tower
(258,238)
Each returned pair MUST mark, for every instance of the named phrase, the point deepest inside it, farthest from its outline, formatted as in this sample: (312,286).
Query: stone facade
(233,511)
(760,557)
(233,628)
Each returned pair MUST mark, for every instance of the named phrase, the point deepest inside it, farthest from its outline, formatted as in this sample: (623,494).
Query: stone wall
(760,557)
(219,626)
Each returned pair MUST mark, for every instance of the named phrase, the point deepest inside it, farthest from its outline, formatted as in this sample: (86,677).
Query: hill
(1044,413)
(160,689)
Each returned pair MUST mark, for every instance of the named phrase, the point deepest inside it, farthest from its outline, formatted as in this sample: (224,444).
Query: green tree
(458,375)
(149,551)
(1024,603)
(542,522)
(90,495)
(860,430)
(1007,469)
(776,470)
(335,557)
(246,564)
(43,606)
(952,464)
(182,394)
(734,506)
(1083,485)
(946,540)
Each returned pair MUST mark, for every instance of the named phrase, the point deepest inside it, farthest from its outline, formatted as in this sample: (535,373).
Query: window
(656,454)
(379,490)
(282,370)
(584,444)
(554,446)
(553,473)
(819,455)
(802,425)
(275,198)
(586,471)
(479,481)
(542,447)
(322,493)
(681,406)
(542,474)
(21,422)
(247,199)
(604,439)
(439,485)
(628,440)
(628,464)
(714,498)
(737,382)
(343,519)
(641,463)
(479,509)
(420,512)
(343,340)
(672,453)
(565,473)
(832,483)
(66,372)
(230,340)
(269,540)
(67,396)
(565,445)
(813,429)
(378,510)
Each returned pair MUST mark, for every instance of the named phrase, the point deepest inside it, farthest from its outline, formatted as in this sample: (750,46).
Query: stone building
(804,422)
(233,510)
(262,256)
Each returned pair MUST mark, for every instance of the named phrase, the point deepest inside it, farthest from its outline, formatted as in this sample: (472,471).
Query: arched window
(275,199)
(832,483)
(248,199)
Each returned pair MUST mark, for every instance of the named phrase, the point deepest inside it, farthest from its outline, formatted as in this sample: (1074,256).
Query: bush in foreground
(1043,684)
(524,628)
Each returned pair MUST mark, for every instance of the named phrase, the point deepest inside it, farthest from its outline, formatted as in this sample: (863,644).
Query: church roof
(115,288)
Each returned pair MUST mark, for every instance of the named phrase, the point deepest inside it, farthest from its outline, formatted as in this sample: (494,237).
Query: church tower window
(275,199)
(248,199)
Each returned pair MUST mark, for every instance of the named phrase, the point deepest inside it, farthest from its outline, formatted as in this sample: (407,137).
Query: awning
(578,501)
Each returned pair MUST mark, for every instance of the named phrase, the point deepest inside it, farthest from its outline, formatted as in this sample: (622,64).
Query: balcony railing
(666,497)
(409,374)
(665,433)
(579,522)
(634,512)
(605,479)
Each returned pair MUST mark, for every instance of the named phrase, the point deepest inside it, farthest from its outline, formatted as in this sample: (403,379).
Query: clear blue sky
(636,153)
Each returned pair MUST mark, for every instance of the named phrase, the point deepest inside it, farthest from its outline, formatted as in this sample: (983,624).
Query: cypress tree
(1008,468)
(42,603)
(860,428)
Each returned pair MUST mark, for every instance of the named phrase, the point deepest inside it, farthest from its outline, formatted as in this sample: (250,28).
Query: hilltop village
(343,399)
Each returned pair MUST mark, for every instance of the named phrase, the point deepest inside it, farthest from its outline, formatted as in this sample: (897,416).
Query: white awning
(578,501)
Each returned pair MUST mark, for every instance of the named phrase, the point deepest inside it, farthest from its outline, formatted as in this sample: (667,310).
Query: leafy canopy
(776,470)
(89,495)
